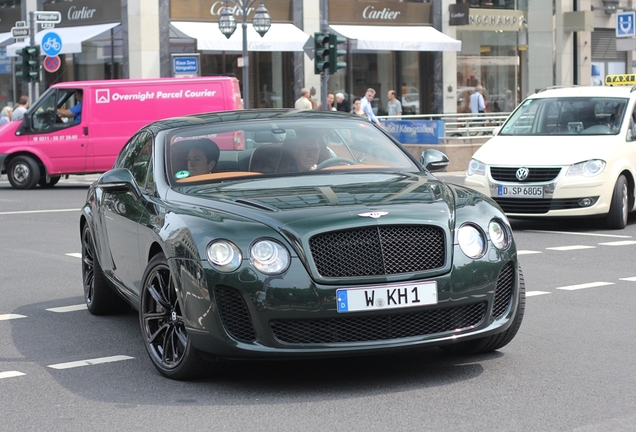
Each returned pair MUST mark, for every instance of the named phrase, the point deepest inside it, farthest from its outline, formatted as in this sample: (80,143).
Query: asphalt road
(570,368)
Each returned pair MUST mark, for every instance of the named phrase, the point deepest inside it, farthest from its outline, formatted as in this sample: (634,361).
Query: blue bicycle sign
(51,44)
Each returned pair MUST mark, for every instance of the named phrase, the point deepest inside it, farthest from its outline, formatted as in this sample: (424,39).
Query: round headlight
(471,241)
(224,255)
(498,235)
(269,257)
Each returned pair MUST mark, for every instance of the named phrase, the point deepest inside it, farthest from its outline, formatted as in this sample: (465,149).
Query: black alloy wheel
(100,298)
(163,327)
(495,342)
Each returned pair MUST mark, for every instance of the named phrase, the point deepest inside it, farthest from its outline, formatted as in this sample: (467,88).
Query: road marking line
(583,234)
(89,362)
(74,255)
(10,374)
(629,279)
(72,308)
(569,248)
(536,293)
(37,211)
(528,252)
(583,286)
(11,316)
(619,243)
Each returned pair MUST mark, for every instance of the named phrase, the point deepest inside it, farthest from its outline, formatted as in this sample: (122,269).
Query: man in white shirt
(365,104)
(303,102)
(477,104)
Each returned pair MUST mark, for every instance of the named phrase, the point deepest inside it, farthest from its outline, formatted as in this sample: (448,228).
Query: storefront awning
(5,39)
(280,37)
(398,38)
(72,37)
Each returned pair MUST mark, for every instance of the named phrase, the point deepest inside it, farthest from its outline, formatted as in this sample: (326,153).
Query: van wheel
(619,206)
(23,172)
(52,181)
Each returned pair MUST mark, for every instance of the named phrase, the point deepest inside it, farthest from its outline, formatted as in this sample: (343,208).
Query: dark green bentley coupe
(278,233)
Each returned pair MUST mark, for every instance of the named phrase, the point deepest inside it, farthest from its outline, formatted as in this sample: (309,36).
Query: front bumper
(275,318)
(563,197)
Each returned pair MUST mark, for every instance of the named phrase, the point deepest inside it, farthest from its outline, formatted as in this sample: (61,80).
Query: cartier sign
(379,13)
(85,12)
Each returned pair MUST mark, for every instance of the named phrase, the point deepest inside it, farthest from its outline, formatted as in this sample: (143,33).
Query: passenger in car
(202,156)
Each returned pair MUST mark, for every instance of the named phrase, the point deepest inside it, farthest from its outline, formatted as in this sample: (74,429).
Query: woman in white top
(5,115)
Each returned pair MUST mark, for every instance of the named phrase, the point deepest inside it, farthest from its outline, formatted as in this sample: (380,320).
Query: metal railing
(460,125)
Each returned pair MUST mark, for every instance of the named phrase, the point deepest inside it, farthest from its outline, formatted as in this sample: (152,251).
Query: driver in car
(305,153)
(75,111)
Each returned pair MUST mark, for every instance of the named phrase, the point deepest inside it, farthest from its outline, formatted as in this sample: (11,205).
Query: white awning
(5,38)
(398,38)
(280,37)
(72,37)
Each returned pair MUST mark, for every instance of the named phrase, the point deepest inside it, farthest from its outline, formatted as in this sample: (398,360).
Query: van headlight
(471,241)
(476,168)
(589,168)
(269,256)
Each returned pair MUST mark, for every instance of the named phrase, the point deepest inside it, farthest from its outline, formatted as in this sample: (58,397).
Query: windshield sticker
(182,174)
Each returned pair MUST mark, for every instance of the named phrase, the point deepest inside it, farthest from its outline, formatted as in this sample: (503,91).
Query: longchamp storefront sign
(491,19)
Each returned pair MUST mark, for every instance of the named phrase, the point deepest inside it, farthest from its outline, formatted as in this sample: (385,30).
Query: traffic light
(30,63)
(321,52)
(334,53)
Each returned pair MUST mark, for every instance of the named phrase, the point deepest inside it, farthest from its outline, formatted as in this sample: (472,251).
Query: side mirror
(434,160)
(118,180)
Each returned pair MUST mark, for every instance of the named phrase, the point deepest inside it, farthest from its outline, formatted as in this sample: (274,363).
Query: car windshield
(567,116)
(222,152)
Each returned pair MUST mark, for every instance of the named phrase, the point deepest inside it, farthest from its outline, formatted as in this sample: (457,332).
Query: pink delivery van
(80,127)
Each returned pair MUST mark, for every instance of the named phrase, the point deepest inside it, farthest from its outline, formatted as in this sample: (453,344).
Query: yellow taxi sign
(622,79)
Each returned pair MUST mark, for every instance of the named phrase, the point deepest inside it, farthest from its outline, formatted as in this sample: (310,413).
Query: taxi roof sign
(622,79)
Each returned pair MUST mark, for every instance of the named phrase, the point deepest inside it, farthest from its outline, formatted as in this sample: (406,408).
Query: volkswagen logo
(522,174)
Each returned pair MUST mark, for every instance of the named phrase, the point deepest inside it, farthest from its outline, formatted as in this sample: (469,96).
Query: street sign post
(48,16)
(51,44)
(625,24)
(20,32)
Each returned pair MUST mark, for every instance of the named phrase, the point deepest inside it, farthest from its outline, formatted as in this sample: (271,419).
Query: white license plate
(520,191)
(386,297)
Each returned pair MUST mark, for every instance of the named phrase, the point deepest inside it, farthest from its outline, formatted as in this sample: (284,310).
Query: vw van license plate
(391,297)
(520,191)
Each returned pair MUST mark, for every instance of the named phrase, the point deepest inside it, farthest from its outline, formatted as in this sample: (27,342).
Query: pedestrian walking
(366,106)
(394,107)
(477,104)
(304,101)
(23,104)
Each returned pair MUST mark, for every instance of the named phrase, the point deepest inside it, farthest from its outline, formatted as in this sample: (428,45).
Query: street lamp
(227,24)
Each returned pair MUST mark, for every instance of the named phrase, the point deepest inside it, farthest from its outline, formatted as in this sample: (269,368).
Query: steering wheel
(335,161)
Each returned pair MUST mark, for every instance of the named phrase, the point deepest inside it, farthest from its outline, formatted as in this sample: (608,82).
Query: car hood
(312,203)
(545,150)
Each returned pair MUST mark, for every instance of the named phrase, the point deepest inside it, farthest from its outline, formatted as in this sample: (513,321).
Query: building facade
(432,53)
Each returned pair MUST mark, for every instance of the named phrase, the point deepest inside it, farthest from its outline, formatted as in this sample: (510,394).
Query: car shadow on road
(47,338)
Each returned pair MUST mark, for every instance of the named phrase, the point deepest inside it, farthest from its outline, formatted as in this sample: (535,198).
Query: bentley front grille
(352,329)
(376,251)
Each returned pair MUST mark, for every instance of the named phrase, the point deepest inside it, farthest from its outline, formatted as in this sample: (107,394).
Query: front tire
(163,326)
(23,172)
(100,298)
(495,342)
(619,206)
